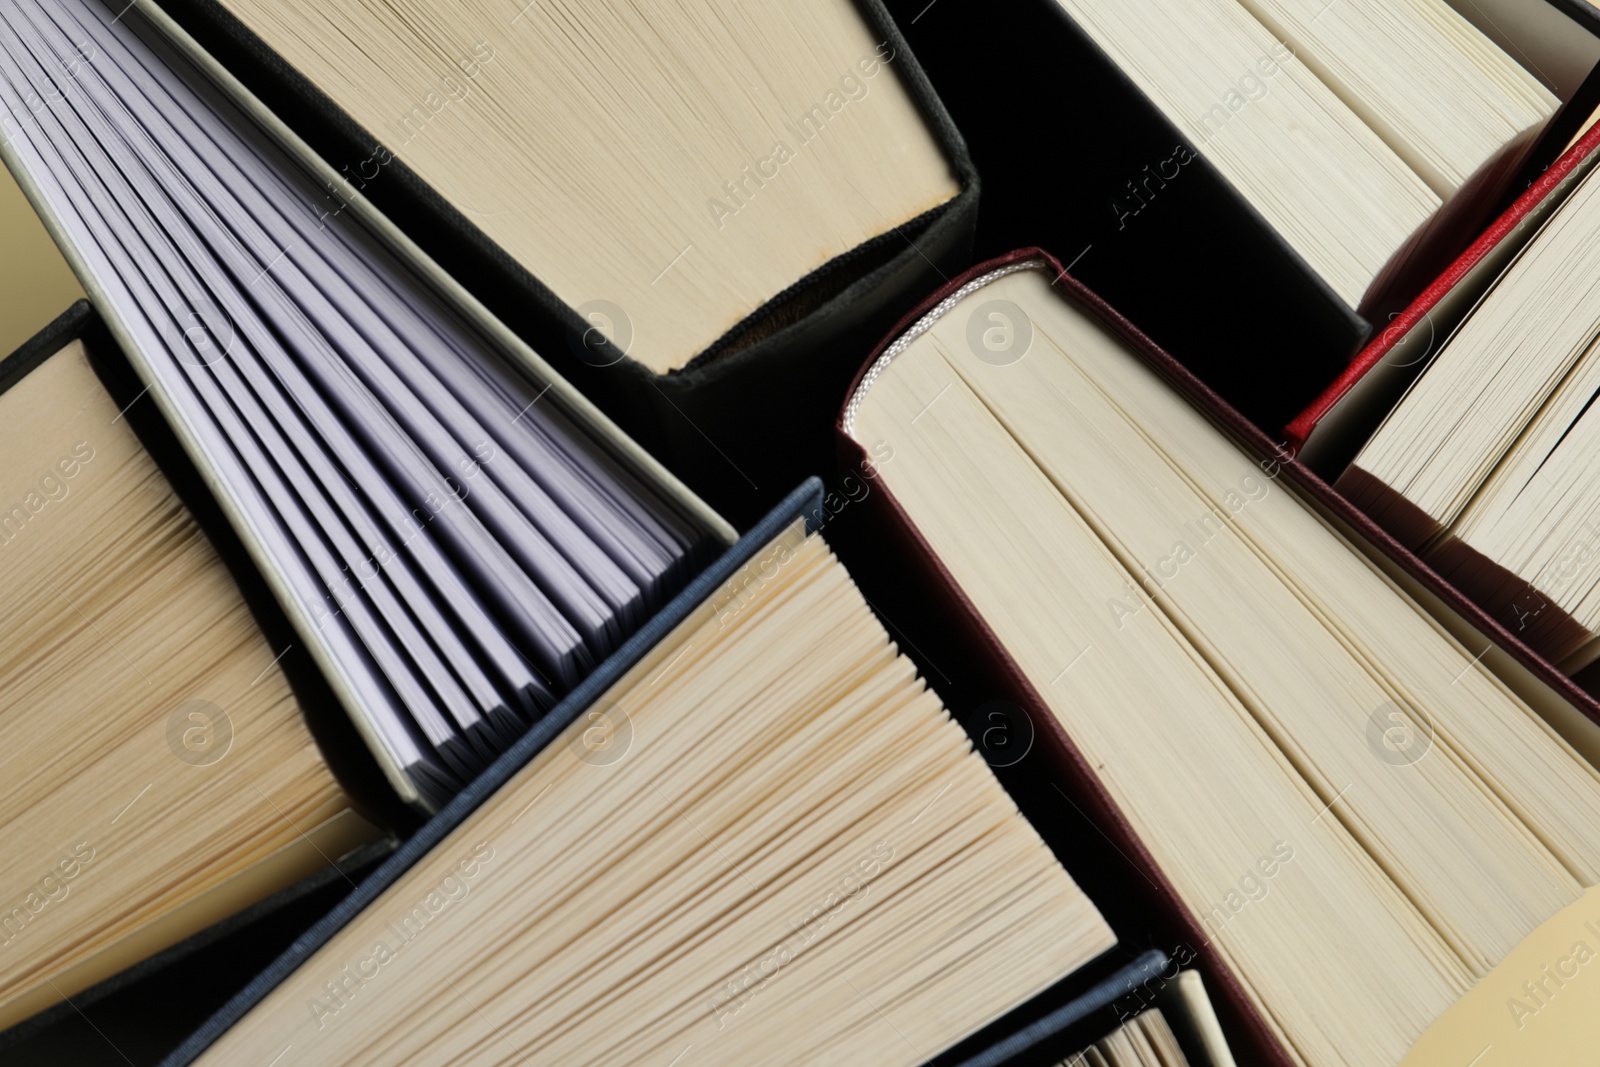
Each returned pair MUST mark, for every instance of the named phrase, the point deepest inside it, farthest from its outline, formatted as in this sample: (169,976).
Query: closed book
(153,628)
(1159,231)
(918,922)
(1017,679)
(455,534)
(709,313)
(1329,431)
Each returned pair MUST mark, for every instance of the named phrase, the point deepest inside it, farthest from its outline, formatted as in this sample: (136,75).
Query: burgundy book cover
(1300,429)
(972,660)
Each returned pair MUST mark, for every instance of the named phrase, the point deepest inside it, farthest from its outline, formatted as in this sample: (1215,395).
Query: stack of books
(581,534)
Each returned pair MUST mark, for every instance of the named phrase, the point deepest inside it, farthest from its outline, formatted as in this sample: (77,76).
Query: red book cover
(946,620)
(1515,223)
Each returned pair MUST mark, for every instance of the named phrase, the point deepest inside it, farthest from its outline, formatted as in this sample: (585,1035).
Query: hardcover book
(457,537)
(693,214)
(1147,220)
(121,613)
(761,752)
(1267,723)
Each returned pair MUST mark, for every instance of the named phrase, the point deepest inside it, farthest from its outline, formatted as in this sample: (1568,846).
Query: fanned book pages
(1347,125)
(1488,465)
(680,166)
(136,693)
(1382,819)
(456,548)
(767,842)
